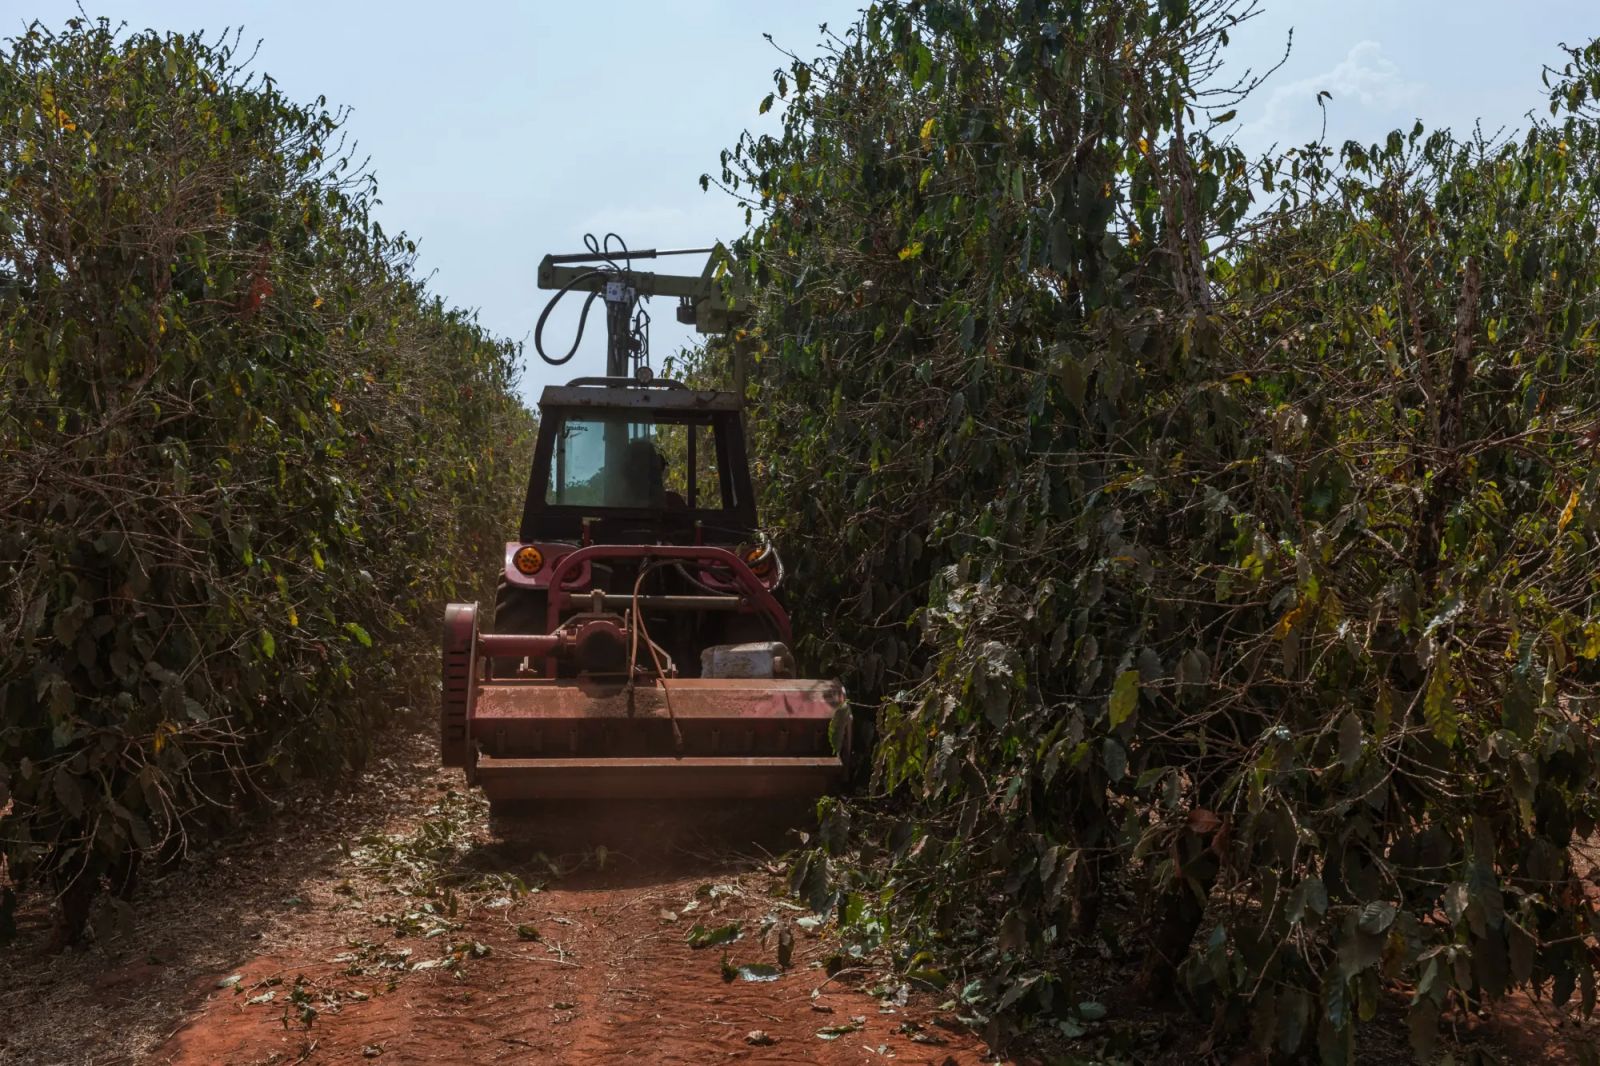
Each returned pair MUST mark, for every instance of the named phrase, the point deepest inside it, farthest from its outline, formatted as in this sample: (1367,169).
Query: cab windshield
(618,461)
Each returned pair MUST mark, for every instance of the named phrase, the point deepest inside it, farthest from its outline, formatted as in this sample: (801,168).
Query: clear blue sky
(500,131)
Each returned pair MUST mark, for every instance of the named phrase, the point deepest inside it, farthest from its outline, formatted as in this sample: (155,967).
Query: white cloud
(1365,76)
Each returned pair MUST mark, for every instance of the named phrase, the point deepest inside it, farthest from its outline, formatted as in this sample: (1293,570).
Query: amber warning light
(760,560)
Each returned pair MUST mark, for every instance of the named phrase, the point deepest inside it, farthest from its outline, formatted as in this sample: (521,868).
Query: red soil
(609,980)
(304,940)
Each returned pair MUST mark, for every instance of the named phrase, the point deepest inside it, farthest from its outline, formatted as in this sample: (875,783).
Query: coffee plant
(244,454)
(1212,538)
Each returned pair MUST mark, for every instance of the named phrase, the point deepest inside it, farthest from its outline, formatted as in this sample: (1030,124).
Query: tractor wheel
(455,702)
(516,610)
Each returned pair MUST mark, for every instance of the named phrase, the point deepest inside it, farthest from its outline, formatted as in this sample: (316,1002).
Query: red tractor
(638,646)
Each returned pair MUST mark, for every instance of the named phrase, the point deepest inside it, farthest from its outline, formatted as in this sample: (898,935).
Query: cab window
(615,461)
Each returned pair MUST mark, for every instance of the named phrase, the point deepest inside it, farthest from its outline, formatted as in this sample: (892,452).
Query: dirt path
(384,923)
(388,925)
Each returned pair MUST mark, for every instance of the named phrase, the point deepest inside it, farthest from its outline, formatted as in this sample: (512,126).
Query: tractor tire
(516,610)
(455,701)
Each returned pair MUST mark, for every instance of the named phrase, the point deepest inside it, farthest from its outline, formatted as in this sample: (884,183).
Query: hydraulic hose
(583,318)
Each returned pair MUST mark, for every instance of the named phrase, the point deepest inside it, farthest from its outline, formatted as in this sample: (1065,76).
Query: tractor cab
(656,460)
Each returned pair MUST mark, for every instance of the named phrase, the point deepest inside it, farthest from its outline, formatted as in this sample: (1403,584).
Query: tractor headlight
(528,560)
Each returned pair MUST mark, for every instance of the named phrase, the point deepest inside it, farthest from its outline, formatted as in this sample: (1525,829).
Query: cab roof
(626,394)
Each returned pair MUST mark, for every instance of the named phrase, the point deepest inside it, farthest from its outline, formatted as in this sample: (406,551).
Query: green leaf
(1124,697)
(1377,916)
(1309,896)
(854,908)
(1438,704)
(1090,1011)
(1382,711)
(921,64)
(834,1032)
(701,937)
(359,633)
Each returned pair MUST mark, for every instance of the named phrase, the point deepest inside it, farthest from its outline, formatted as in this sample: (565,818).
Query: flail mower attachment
(590,715)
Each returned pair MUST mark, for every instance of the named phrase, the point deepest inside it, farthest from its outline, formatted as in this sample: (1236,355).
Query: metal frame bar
(760,597)
(505,780)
